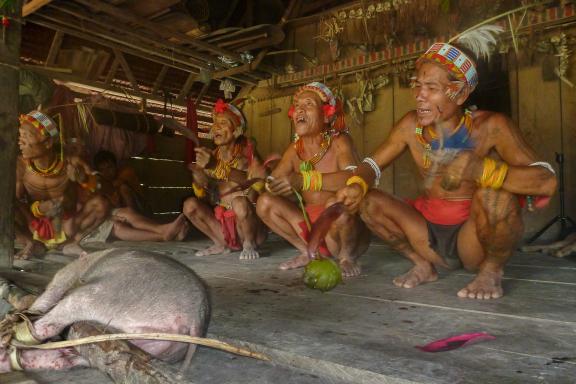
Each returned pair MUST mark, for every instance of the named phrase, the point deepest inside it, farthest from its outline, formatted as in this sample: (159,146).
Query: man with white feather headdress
(477,169)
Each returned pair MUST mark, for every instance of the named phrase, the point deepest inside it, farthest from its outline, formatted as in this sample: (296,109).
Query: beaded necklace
(223,167)
(458,138)
(54,168)
(308,165)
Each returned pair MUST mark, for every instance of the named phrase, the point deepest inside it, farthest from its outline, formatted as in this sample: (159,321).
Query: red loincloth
(227,219)
(314,211)
(440,211)
(43,230)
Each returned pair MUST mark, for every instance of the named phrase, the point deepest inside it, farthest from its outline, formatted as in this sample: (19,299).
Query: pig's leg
(65,279)
(55,359)
(77,306)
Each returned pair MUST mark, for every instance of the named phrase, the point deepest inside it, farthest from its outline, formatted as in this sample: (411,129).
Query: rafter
(54,48)
(33,5)
(163,31)
(127,71)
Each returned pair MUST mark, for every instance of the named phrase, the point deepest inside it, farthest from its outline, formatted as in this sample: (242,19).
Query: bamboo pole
(9,83)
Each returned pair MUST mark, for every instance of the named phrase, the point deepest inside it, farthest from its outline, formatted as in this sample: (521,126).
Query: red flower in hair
(220,106)
(329,110)
(291,111)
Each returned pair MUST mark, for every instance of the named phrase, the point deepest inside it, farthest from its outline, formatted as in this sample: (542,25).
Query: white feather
(480,40)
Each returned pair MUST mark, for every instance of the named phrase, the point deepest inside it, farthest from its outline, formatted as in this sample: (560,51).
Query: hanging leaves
(8,4)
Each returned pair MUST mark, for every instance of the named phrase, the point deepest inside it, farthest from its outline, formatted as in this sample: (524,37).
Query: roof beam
(54,48)
(159,79)
(127,71)
(155,56)
(186,88)
(33,5)
(144,37)
(163,31)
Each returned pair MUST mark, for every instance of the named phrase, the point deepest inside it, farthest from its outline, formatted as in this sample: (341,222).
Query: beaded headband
(325,95)
(42,122)
(453,59)
(222,107)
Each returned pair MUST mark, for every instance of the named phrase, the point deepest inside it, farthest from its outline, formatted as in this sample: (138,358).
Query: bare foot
(419,274)
(32,249)
(183,231)
(350,268)
(213,250)
(297,262)
(486,285)
(172,230)
(73,249)
(249,253)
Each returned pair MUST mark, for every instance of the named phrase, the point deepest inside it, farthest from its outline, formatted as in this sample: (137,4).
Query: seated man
(232,224)
(46,185)
(320,147)
(120,185)
(476,164)
(47,190)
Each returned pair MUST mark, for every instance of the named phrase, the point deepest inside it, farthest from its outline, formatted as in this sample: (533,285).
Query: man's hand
(279,186)
(75,174)
(203,157)
(350,196)
(198,175)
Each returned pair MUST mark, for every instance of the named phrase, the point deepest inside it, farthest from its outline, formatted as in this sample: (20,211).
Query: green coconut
(322,274)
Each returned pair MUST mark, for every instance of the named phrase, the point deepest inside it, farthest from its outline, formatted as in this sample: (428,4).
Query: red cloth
(440,211)
(227,219)
(314,212)
(43,227)
(537,201)
(191,124)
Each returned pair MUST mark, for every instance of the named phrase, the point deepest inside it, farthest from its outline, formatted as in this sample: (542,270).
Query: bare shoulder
(343,142)
(502,134)
(494,123)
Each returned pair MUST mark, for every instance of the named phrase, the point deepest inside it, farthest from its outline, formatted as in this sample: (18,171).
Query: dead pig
(125,291)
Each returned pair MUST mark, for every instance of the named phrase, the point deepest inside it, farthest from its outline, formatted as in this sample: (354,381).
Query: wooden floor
(366,330)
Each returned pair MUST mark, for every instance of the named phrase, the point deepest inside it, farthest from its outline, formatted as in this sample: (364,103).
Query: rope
(212,343)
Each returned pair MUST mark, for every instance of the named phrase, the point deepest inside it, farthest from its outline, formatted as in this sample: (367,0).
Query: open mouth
(423,111)
(300,119)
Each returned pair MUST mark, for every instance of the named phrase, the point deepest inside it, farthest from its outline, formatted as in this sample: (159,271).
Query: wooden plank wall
(167,181)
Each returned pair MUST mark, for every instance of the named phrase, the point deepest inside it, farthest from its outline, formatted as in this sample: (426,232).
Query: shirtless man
(320,147)
(474,176)
(232,224)
(120,184)
(46,185)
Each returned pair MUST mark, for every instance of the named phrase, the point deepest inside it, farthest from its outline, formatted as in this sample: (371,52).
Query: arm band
(543,164)
(360,181)
(375,168)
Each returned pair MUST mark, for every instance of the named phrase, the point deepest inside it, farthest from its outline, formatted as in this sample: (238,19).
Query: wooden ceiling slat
(33,5)
(139,35)
(113,42)
(161,30)
(55,47)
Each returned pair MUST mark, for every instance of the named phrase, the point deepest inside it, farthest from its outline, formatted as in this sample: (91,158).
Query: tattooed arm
(517,153)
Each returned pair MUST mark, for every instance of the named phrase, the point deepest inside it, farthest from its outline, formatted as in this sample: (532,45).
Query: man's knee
(241,207)
(497,205)
(265,204)
(373,205)
(191,206)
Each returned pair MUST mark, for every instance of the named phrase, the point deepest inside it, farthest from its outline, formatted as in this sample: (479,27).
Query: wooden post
(9,82)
